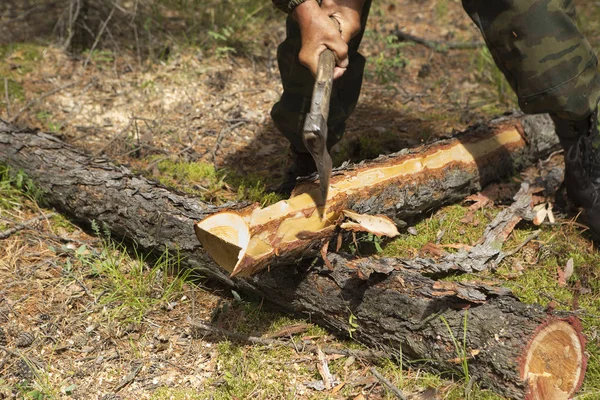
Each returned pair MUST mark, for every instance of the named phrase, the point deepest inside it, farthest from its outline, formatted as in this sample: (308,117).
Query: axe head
(314,137)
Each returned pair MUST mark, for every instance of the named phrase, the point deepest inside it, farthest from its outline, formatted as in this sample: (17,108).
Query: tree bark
(399,186)
(519,350)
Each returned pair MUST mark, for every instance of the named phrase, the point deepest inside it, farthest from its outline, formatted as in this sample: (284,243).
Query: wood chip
(379,225)
(323,368)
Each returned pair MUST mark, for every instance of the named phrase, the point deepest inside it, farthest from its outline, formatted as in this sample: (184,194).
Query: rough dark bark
(397,308)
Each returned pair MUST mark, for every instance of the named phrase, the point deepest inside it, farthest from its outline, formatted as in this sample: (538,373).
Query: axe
(314,134)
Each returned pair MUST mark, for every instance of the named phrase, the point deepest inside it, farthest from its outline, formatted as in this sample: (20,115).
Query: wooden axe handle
(324,81)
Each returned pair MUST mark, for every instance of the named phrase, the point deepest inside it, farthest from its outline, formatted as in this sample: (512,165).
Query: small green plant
(45,117)
(222,40)
(441,9)
(15,184)
(366,242)
(388,62)
(352,324)
(37,386)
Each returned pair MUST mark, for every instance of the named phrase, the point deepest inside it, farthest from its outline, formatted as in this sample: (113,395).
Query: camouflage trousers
(535,43)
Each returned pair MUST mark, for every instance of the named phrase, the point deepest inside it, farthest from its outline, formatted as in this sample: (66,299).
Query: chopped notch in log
(402,185)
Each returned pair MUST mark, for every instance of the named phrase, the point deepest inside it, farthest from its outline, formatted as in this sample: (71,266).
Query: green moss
(448,221)
(214,185)
(255,372)
(18,59)
(61,222)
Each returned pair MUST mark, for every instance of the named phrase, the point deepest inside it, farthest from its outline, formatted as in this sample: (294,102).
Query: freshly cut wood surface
(399,186)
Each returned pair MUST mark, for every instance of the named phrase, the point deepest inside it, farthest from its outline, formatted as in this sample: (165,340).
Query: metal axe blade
(314,133)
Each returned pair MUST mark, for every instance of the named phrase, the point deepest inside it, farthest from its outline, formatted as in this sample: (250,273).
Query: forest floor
(186,102)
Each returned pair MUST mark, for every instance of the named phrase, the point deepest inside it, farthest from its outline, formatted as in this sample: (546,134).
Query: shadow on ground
(370,132)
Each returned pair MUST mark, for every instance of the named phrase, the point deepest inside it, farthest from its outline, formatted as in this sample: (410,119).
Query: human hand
(320,33)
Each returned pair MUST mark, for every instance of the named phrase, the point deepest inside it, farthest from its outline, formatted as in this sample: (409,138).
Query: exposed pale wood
(397,306)
(400,186)
(379,225)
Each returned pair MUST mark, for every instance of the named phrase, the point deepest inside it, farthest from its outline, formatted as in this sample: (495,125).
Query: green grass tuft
(132,287)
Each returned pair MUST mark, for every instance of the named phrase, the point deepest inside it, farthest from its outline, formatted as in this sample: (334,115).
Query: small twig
(323,368)
(19,227)
(220,138)
(160,159)
(554,153)
(436,45)
(42,97)
(388,384)
(114,139)
(117,51)
(7,99)
(72,22)
(102,28)
(528,239)
(137,45)
(371,355)
(129,378)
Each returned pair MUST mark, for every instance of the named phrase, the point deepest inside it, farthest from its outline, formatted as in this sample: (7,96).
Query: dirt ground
(81,318)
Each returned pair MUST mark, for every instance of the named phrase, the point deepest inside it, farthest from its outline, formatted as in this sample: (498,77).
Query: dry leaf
(551,218)
(459,360)
(540,214)
(432,249)
(564,275)
(480,200)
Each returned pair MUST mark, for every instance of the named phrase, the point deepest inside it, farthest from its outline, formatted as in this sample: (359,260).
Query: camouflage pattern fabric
(542,53)
(535,43)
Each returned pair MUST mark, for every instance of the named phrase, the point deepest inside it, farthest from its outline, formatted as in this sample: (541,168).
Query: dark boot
(581,142)
(302,165)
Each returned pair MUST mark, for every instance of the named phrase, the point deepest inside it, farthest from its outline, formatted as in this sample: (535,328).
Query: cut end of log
(225,236)
(555,362)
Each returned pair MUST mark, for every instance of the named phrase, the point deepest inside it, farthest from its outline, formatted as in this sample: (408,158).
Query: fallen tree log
(399,186)
(518,350)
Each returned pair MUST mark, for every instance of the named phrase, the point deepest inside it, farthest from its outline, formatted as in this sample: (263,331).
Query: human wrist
(356,5)
(305,11)
(294,4)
